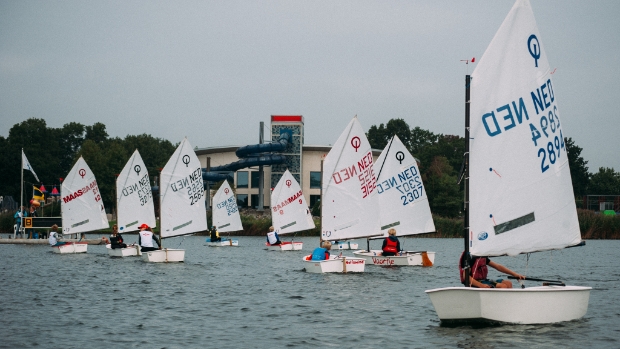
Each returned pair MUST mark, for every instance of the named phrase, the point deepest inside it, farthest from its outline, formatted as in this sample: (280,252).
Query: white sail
(183,209)
(289,209)
(225,211)
(349,188)
(134,199)
(82,207)
(403,203)
(521,197)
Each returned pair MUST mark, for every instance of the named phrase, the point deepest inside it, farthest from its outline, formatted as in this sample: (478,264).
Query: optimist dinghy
(403,205)
(517,180)
(182,204)
(289,212)
(225,216)
(134,200)
(349,198)
(81,206)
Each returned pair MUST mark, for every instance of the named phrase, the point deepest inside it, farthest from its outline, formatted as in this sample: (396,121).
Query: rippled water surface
(247,297)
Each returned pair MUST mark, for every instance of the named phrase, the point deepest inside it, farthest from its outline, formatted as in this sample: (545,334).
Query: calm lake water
(247,297)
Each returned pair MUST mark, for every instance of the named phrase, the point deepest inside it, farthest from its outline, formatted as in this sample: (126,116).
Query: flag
(27,166)
(37,194)
(55,192)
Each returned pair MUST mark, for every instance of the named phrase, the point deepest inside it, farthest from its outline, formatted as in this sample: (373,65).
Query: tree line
(52,153)
(441,158)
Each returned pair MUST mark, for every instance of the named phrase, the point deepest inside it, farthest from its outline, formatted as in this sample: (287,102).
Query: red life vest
(479,270)
(390,245)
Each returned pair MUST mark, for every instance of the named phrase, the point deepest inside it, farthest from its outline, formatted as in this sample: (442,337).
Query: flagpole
(21,197)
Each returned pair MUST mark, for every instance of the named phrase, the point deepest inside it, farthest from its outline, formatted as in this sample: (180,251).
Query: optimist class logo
(288,183)
(356,143)
(226,190)
(137,169)
(82,172)
(186,160)
(534,48)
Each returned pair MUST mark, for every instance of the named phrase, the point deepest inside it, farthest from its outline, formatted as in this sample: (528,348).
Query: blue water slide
(249,156)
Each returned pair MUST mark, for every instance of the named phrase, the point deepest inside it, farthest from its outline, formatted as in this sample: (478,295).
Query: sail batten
(521,197)
(289,209)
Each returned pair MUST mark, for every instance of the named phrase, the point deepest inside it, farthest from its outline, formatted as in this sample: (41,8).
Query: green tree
(605,182)
(380,136)
(442,188)
(578,169)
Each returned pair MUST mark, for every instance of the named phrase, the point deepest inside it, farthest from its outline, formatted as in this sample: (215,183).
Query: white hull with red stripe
(374,257)
(71,247)
(335,265)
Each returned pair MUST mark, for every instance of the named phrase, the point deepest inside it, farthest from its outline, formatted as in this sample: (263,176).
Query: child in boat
(53,239)
(479,273)
(215,235)
(391,245)
(146,237)
(321,253)
(272,237)
(116,240)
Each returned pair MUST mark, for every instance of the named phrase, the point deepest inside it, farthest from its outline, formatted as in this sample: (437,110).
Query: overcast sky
(212,70)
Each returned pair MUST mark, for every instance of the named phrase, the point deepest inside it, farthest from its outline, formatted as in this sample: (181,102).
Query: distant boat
(134,203)
(225,215)
(289,212)
(518,191)
(81,207)
(403,205)
(182,203)
(349,198)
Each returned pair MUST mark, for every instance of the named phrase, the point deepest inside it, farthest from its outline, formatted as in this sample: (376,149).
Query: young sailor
(215,235)
(116,240)
(146,237)
(391,245)
(53,238)
(321,253)
(272,237)
(479,273)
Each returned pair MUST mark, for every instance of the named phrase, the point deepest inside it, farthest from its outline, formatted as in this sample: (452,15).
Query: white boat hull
(335,265)
(166,255)
(71,247)
(132,250)
(285,246)
(407,259)
(532,305)
(223,243)
(346,245)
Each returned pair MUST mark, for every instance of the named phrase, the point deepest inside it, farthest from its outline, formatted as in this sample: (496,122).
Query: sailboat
(182,204)
(403,205)
(518,191)
(225,215)
(349,198)
(81,207)
(134,200)
(289,212)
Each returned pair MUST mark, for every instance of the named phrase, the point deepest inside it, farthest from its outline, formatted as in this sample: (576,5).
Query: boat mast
(321,207)
(161,241)
(466,255)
